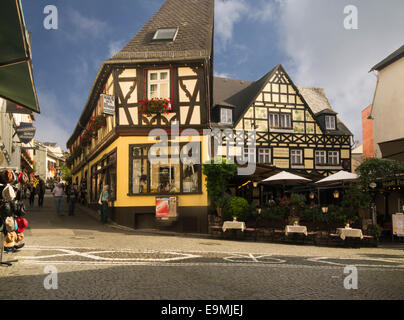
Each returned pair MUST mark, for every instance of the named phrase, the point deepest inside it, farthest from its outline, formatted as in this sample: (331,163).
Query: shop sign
(25,131)
(389,183)
(108,104)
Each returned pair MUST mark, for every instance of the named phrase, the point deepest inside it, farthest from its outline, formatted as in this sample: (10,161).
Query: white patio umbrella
(285,178)
(339,177)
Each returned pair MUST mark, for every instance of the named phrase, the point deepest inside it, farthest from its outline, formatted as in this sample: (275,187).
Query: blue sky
(251,37)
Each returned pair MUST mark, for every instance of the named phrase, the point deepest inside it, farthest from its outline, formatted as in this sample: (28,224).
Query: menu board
(398,224)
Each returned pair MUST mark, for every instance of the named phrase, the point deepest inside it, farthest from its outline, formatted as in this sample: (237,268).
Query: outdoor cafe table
(296,229)
(349,232)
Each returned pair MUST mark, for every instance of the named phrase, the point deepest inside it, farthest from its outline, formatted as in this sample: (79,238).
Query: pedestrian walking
(41,192)
(103,202)
(58,195)
(72,194)
(32,191)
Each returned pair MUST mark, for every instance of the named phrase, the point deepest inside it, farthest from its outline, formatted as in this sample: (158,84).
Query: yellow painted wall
(122,189)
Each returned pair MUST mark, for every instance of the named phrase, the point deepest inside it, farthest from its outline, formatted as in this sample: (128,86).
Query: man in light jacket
(58,195)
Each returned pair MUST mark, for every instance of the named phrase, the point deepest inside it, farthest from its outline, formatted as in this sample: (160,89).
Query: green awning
(16,77)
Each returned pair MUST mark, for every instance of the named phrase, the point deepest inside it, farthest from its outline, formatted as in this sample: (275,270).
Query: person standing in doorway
(58,195)
(104,198)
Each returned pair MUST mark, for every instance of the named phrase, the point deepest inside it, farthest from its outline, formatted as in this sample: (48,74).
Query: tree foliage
(218,176)
(236,207)
(67,174)
(373,168)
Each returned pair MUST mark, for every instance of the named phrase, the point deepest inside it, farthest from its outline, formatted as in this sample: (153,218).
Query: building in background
(357,155)
(367,134)
(48,159)
(15,151)
(387,111)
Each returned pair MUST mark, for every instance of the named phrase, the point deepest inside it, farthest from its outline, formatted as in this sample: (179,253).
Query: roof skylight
(166,34)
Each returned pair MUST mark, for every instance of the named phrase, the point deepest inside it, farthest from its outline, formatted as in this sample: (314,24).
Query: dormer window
(226,115)
(166,34)
(330,122)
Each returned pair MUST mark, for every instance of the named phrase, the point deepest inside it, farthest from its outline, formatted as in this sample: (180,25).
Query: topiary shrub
(236,207)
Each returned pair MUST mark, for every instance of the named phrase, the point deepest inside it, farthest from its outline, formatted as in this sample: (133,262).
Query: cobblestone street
(96,261)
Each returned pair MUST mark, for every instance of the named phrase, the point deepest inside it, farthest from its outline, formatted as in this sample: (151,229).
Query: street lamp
(336,194)
(255,184)
(373,185)
(311,195)
(324,209)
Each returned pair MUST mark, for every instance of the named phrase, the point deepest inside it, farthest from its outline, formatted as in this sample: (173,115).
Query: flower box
(154,106)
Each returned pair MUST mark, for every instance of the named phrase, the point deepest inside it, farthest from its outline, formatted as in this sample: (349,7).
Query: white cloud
(222,74)
(115,46)
(227,14)
(85,26)
(323,53)
(54,122)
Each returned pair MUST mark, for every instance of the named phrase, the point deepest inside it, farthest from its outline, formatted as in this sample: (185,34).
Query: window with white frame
(330,122)
(158,84)
(226,115)
(296,157)
(249,155)
(333,157)
(264,155)
(280,120)
(274,120)
(321,157)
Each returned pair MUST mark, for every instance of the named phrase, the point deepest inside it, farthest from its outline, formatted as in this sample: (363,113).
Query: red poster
(162,207)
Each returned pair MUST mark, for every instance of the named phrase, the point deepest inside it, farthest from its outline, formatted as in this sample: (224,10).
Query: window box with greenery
(154,106)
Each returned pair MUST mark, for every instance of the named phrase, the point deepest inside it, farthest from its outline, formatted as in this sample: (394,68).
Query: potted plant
(296,203)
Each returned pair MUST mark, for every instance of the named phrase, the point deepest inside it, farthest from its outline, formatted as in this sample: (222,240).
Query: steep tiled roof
(315,98)
(194,19)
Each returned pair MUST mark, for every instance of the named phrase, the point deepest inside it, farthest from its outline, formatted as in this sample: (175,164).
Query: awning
(16,77)
(393,149)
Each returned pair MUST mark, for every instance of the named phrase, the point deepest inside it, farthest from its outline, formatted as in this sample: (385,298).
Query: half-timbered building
(171,57)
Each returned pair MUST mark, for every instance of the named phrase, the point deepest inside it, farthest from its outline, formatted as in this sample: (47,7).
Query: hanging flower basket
(154,106)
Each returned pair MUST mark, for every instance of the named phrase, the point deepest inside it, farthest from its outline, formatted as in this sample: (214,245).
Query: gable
(279,95)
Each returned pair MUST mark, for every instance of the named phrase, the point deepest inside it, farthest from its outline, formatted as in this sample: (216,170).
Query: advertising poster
(162,207)
(398,224)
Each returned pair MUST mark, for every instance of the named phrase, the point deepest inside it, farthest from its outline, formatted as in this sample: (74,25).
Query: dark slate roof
(326,111)
(398,54)
(194,18)
(238,93)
